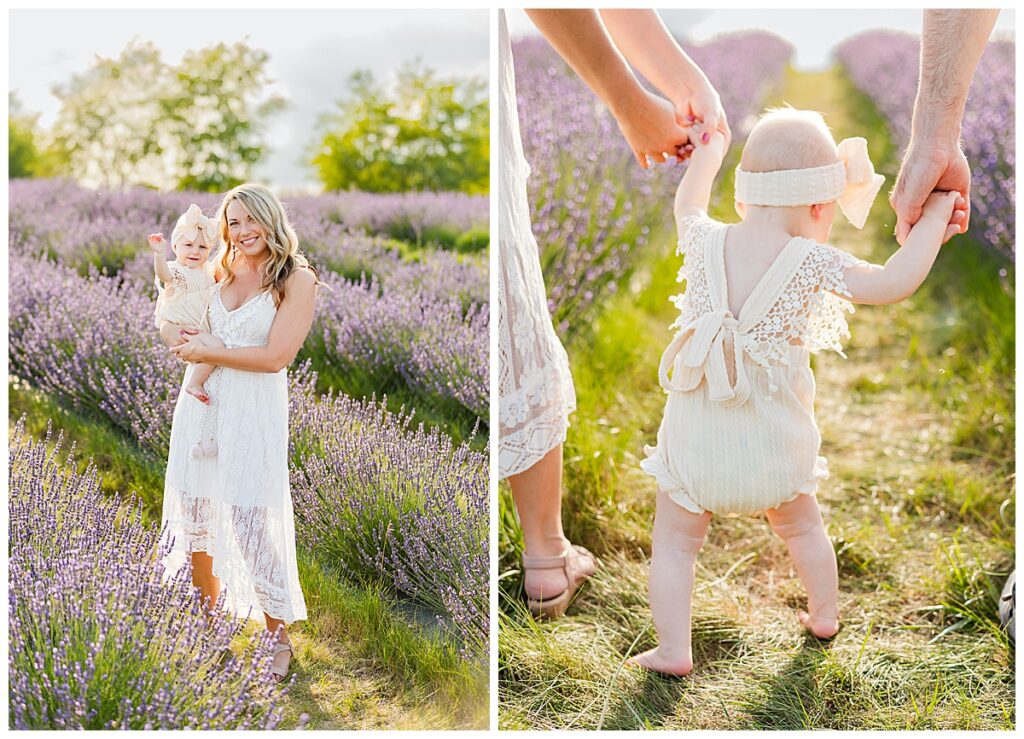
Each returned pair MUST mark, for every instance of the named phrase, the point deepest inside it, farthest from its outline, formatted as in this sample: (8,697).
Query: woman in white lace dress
(536,390)
(232,513)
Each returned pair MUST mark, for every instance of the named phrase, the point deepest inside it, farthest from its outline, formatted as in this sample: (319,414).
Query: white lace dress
(738,435)
(237,506)
(536,393)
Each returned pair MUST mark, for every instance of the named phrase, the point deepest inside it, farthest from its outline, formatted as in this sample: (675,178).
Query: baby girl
(185,285)
(738,436)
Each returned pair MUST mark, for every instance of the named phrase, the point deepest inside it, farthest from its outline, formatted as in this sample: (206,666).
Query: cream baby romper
(738,435)
(190,297)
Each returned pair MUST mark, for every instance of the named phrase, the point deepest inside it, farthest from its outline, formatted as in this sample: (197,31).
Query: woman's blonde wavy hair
(281,239)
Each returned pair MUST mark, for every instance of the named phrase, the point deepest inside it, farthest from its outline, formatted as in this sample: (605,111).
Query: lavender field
(388,413)
(917,423)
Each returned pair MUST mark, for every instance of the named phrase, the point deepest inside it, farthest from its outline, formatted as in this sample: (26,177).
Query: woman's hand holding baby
(194,345)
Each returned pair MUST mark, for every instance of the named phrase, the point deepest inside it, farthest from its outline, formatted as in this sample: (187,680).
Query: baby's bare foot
(658,661)
(198,391)
(823,628)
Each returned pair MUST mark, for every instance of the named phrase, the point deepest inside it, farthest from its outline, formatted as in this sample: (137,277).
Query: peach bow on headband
(191,222)
(862,183)
(852,181)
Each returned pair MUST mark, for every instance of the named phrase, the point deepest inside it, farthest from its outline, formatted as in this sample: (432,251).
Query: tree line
(202,124)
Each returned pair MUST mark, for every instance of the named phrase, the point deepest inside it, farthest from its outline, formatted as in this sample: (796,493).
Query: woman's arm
(905,270)
(287,334)
(647,122)
(645,42)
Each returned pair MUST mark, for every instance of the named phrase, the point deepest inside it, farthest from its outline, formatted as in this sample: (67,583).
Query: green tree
(135,120)
(428,133)
(217,116)
(28,152)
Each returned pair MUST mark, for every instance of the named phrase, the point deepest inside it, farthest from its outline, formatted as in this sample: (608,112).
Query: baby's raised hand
(947,208)
(158,243)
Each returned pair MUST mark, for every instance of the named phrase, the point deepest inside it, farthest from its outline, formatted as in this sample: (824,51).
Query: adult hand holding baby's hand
(704,108)
(651,129)
(929,167)
(944,207)
(158,243)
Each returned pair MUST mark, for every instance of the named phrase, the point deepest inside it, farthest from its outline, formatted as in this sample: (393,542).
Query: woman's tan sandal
(578,565)
(280,672)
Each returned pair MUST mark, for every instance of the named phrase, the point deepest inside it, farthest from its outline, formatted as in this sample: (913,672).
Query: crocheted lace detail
(809,311)
(693,247)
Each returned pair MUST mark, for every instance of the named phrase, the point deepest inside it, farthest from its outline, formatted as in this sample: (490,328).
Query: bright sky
(814,33)
(312,54)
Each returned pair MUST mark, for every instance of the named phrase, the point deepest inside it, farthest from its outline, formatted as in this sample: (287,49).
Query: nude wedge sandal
(578,565)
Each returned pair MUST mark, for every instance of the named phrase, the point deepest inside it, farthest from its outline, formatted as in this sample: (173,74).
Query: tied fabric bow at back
(852,181)
(191,222)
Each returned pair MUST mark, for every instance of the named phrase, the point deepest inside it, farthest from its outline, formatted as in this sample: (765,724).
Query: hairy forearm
(582,40)
(952,42)
(645,42)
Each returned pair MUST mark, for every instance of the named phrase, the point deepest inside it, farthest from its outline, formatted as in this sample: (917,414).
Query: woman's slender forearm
(642,38)
(246,358)
(581,39)
(952,42)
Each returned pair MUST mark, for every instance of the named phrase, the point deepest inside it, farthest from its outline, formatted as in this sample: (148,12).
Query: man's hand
(925,168)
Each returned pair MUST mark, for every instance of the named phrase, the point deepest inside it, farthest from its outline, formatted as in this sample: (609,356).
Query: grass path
(919,507)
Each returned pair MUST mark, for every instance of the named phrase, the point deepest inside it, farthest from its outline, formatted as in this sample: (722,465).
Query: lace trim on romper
(801,312)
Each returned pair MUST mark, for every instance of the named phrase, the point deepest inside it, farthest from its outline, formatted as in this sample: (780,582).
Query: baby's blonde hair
(281,239)
(788,138)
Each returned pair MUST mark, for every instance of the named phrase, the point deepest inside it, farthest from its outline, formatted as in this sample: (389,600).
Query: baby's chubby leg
(197,382)
(678,536)
(798,523)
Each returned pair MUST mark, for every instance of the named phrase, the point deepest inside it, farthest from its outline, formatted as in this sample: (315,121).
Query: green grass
(919,508)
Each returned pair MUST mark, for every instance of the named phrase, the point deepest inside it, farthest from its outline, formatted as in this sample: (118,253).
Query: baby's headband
(852,181)
(193,221)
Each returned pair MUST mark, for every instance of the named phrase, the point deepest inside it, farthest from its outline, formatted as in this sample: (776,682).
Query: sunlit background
(310,57)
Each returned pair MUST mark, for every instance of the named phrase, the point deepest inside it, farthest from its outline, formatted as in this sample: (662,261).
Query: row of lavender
(593,208)
(392,502)
(97,639)
(884,65)
(74,222)
(418,321)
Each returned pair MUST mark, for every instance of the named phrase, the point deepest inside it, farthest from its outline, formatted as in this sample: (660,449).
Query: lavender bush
(884,65)
(424,341)
(89,343)
(447,219)
(592,207)
(97,638)
(82,228)
(395,503)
